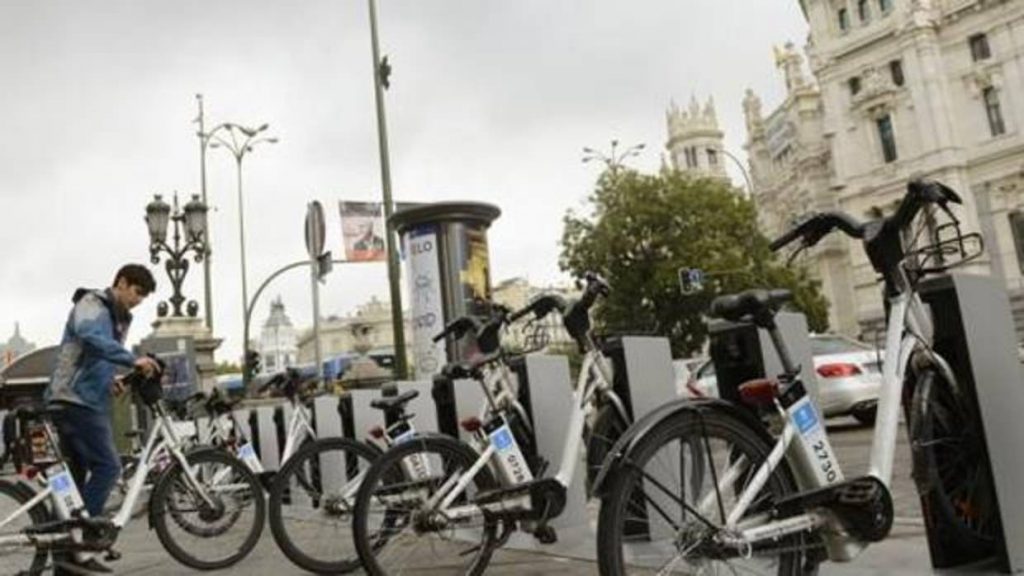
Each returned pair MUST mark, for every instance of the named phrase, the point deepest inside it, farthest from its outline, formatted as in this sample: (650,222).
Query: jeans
(87,439)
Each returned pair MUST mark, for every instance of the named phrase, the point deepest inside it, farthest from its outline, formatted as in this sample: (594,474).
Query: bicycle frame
(162,437)
(595,377)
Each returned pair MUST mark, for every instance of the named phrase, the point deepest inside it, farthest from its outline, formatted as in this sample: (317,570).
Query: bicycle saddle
(393,403)
(36,411)
(758,305)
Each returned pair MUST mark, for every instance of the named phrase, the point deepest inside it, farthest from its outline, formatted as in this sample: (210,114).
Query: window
(884,6)
(887,138)
(995,114)
(844,19)
(712,157)
(863,11)
(1017,229)
(896,71)
(854,84)
(691,157)
(979,47)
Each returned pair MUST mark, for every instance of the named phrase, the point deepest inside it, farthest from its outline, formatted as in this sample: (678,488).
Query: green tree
(644,228)
(228,368)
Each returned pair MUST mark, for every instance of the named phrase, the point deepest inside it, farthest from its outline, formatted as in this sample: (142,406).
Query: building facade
(900,89)
(15,346)
(278,341)
(695,142)
(338,334)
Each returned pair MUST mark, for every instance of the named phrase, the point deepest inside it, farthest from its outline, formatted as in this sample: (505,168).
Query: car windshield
(821,345)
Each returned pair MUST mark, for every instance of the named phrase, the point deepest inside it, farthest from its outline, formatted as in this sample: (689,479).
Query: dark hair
(137,275)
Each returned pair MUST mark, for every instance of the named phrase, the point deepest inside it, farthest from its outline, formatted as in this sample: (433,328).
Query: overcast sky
(490,101)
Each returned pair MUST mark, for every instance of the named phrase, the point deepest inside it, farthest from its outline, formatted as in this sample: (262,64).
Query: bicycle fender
(639,430)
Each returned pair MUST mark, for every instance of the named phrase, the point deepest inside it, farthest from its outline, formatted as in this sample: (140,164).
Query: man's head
(132,284)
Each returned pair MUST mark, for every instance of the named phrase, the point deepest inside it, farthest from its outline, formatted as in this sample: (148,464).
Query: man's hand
(117,388)
(147,365)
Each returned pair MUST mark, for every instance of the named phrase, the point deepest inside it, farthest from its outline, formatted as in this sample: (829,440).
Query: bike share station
(974,332)
(449,276)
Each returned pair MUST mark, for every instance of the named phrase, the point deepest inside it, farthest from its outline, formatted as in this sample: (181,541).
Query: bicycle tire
(601,437)
(939,423)
(37,515)
(386,474)
(251,494)
(304,471)
(642,479)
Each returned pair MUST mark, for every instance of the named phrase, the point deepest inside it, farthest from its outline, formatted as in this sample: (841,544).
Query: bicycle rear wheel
(951,463)
(17,559)
(396,532)
(214,534)
(311,501)
(665,507)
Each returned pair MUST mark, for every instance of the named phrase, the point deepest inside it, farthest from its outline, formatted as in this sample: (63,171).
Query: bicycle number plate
(64,489)
(248,455)
(185,429)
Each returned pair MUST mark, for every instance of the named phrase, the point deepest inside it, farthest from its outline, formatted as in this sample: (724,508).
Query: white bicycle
(207,507)
(440,505)
(721,494)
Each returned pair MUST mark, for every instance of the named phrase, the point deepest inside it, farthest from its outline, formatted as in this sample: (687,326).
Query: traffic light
(253,363)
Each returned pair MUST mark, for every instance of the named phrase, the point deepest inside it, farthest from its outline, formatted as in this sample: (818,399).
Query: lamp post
(192,221)
(613,161)
(239,140)
(743,170)
(381,81)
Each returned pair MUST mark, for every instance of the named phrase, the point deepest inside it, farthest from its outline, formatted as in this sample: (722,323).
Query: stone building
(278,342)
(695,142)
(15,346)
(899,89)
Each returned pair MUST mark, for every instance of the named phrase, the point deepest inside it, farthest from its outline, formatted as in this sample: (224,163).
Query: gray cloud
(491,101)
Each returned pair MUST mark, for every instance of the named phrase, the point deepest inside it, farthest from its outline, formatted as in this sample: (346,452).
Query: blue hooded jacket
(90,351)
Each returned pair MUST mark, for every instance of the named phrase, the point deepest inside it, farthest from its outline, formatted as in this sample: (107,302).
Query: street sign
(691,280)
(314,230)
(324,265)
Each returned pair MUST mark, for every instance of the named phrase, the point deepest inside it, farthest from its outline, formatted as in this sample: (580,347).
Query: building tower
(278,341)
(695,142)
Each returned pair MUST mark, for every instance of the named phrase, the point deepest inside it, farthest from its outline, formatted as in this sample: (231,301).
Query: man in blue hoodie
(83,379)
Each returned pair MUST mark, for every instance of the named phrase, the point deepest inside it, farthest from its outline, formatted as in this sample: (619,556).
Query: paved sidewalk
(904,553)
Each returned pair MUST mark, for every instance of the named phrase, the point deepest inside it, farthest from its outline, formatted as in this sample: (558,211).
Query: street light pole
(743,170)
(612,161)
(207,278)
(240,141)
(380,72)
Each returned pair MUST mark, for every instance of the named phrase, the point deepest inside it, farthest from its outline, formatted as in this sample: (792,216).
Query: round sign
(315,230)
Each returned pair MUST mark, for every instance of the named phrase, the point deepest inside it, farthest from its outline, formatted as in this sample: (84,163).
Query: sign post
(315,249)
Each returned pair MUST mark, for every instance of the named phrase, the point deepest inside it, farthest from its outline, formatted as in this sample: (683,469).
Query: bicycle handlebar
(919,194)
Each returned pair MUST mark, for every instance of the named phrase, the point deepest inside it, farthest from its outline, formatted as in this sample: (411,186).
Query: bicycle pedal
(545,534)
(112,556)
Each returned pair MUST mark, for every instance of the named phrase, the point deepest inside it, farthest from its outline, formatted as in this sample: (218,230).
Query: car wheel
(865,415)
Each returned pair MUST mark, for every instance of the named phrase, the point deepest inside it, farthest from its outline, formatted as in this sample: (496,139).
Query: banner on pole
(362,231)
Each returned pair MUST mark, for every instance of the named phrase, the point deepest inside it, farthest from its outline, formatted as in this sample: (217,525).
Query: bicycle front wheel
(311,501)
(397,530)
(665,508)
(16,558)
(951,464)
(215,518)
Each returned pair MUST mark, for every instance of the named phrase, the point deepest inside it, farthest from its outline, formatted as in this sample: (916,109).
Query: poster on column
(424,281)
(362,231)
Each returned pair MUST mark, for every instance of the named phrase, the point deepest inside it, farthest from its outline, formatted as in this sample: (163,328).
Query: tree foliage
(644,228)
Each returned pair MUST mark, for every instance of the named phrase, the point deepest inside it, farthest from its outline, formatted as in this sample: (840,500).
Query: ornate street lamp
(615,159)
(192,222)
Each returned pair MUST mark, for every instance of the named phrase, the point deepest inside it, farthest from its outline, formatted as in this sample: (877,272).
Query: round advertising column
(448,273)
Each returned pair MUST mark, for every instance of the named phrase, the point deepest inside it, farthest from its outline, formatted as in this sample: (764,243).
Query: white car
(849,377)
